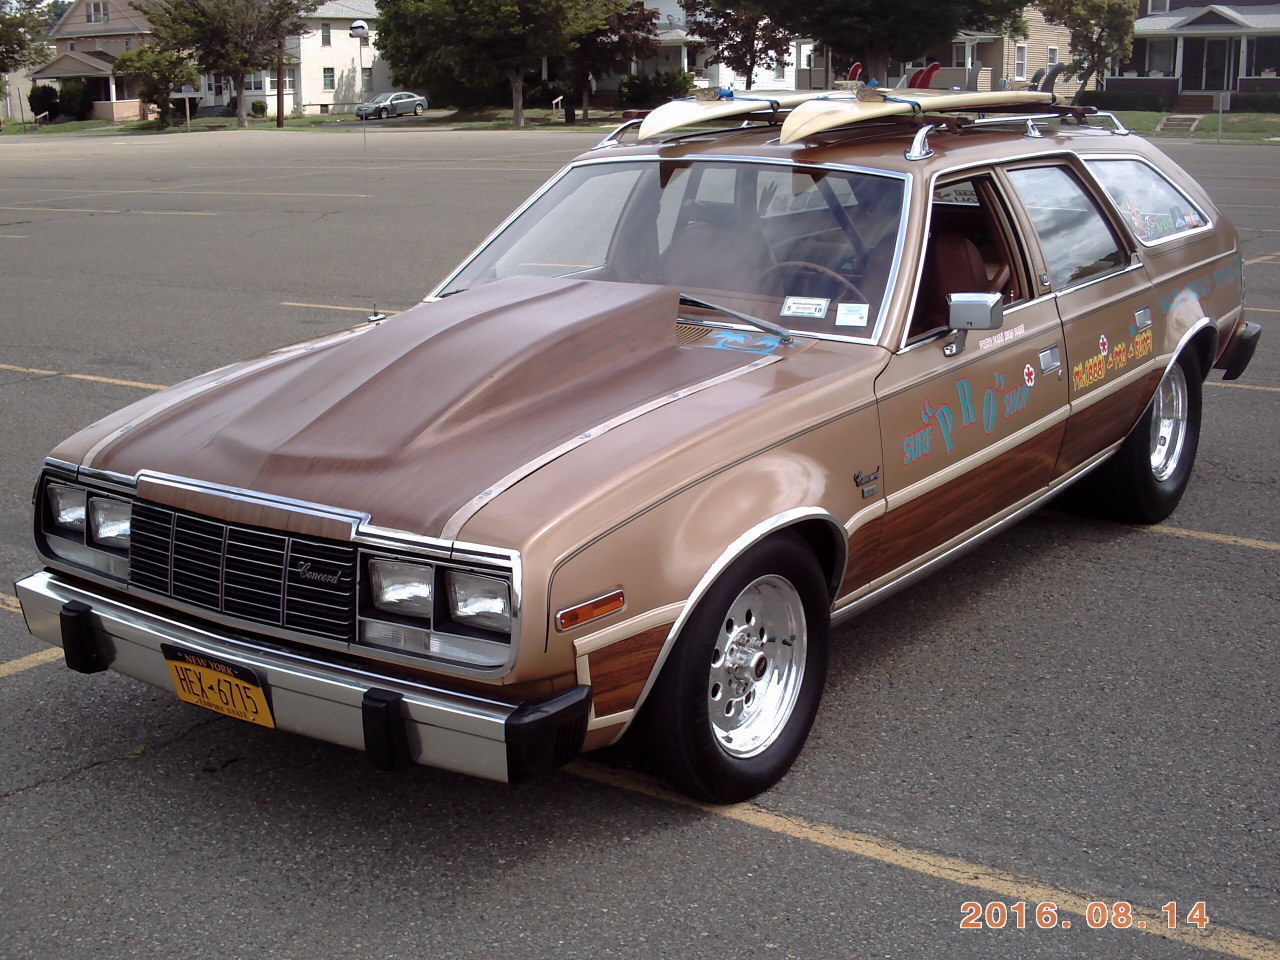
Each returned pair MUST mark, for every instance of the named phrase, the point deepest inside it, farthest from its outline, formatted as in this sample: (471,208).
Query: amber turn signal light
(571,617)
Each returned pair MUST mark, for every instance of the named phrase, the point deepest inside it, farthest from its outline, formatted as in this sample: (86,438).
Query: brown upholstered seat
(720,256)
(952,265)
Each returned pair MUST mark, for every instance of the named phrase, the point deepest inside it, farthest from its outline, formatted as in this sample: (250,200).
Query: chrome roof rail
(615,135)
(1116,125)
(920,149)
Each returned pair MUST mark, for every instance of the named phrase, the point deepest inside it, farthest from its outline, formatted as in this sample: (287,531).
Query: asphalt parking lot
(1075,712)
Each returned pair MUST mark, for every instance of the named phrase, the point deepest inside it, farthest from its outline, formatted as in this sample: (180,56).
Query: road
(1076,711)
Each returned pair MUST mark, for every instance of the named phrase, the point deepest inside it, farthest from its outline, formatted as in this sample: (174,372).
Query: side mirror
(971,311)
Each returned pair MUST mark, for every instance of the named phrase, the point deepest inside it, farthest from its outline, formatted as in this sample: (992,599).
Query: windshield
(808,247)
(381,98)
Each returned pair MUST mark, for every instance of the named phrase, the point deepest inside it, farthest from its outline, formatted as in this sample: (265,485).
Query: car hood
(411,419)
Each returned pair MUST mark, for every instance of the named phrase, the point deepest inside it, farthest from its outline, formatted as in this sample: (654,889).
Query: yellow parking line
(1212,537)
(1265,258)
(1264,309)
(10,603)
(12,236)
(33,660)
(1216,937)
(335,306)
(140,384)
(1241,386)
(158,213)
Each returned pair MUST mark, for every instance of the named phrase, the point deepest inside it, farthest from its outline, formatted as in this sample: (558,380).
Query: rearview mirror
(975,311)
(971,311)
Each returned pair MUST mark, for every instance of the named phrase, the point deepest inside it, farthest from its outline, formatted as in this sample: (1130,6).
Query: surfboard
(817,115)
(682,113)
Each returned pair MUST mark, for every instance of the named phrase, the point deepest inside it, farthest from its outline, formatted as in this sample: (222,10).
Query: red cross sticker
(1102,344)
(1029,375)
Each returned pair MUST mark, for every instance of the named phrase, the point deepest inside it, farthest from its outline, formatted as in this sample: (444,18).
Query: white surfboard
(838,110)
(683,113)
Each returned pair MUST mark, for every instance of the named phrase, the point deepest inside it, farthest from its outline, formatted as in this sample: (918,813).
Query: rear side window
(1077,240)
(1153,207)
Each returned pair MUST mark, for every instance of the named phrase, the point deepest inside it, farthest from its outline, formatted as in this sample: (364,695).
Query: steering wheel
(816,269)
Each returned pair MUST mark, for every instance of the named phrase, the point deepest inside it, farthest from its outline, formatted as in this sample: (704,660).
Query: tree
(427,39)
(53,11)
(157,72)
(878,33)
(21,35)
(628,34)
(232,37)
(741,36)
(1101,30)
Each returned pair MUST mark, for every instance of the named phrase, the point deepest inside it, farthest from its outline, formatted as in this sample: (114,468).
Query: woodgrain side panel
(1106,422)
(619,671)
(918,526)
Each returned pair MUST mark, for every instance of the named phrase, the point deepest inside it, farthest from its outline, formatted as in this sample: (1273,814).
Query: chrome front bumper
(340,704)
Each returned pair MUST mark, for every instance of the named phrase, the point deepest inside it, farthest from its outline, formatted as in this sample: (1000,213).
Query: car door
(969,430)
(1104,299)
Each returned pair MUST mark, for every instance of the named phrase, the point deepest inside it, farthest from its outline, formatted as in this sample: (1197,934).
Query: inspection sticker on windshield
(815,307)
(852,314)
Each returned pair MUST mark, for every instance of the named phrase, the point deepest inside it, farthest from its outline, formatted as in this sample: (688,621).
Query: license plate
(216,685)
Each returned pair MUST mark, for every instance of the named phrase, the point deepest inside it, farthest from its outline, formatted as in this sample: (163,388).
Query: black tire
(417,110)
(382,113)
(1127,487)
(676,721)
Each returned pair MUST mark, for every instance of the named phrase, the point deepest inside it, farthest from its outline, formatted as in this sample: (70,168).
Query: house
(87,39)
(1006,60)
(328,70)
(1201,54)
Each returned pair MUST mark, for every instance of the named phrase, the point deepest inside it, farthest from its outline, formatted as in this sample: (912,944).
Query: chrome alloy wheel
(757,666)
(1169,422)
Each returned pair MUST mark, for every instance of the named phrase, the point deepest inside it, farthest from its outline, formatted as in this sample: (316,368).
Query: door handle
(1050,358)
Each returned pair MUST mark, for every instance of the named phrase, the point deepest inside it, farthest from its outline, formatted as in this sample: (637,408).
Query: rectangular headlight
(67,506)
(478,601)
(109,522)
(401,588)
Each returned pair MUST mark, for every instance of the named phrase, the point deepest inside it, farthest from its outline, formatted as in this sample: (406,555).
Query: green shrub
(230,109)
(673,84)
(1127,100)
(1255,102)
(43,99)
(643,90)
(258,108)
(75,100)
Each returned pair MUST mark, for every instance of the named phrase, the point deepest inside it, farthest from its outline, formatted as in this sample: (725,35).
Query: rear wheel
(1144,480)
(734,703)
(417,110)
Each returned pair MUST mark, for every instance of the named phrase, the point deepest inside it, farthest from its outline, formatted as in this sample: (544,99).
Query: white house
(329,72)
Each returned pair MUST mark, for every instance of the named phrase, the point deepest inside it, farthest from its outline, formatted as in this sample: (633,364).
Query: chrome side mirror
(971,311)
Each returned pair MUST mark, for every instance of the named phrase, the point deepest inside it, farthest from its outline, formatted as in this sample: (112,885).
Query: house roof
(1214,18)
(77,63)
(345,10)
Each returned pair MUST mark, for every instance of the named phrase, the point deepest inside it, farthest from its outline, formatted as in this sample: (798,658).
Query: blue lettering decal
(964,394)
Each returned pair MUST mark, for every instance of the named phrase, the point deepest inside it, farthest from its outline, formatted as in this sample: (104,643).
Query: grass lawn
(1252,127)
(150,126)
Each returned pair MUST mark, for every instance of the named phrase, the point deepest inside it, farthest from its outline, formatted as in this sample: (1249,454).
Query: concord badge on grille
(306,573)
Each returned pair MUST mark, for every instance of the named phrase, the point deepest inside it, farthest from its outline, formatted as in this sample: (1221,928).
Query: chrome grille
(299,583)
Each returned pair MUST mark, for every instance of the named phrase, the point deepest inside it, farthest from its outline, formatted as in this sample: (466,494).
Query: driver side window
(969,250)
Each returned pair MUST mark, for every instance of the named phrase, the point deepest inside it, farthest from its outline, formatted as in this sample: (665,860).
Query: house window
(1053,57)
(959,56)
(1157,6)
(364,41)
(1020,61)
(324,108)
(366,77)
(780,71)
(97,44)
(326,35)
(330,82)
(128,44)
(124,89)
(95,12)
(288,81)
(71,46)
(1160,54)
(253,82)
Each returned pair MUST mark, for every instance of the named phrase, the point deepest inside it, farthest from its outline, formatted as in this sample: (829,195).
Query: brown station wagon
(698,399)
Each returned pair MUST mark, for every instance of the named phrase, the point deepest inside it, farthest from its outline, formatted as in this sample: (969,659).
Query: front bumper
(394,720)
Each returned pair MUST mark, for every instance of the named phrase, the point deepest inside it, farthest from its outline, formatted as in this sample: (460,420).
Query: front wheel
(1145,479)
(733,705)
(382,114)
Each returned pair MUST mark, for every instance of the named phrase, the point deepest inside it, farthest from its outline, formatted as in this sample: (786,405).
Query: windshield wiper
(768,326)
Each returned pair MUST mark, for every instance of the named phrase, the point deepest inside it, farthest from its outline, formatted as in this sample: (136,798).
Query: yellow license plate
(225,688)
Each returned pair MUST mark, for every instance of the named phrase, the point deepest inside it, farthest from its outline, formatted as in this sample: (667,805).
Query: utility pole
(280,83)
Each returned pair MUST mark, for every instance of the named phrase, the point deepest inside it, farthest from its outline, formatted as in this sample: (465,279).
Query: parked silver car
(392,105)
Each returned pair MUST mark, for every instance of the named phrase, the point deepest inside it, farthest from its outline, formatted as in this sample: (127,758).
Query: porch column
(1244,60)
(684,58)
(1177,63)
(111,86)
